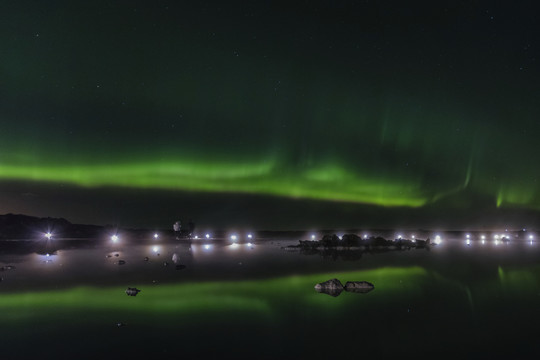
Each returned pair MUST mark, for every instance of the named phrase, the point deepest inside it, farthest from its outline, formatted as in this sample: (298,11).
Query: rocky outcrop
(359,286)
(132,291)
(331,287)
(334,287)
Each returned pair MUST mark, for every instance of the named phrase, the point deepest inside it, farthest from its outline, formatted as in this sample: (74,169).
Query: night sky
(271,115)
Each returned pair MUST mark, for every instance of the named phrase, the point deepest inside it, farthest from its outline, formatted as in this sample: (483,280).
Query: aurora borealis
(388,109)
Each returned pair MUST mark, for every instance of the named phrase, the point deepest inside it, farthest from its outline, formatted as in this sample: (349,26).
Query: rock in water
(359,286)
(132,291)
(331,287)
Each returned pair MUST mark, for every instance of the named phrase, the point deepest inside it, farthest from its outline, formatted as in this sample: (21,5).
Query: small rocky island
(350,241)
(351,247)
(334,287)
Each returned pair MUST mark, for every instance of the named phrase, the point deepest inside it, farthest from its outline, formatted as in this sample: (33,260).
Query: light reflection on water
(226,260)
(458,290)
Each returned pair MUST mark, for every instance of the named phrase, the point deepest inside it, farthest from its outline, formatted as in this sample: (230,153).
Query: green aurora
(406,112)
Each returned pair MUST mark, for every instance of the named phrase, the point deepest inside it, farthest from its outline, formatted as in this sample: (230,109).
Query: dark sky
(298,114)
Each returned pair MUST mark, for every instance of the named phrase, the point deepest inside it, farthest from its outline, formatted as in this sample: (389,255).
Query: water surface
(257,300)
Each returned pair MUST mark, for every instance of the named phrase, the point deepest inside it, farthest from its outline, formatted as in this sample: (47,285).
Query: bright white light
(468,242)
(531,237)
(483,241)
(196,237)
(207,247)
(250,236)
(496,242)
(496,237)
(234,245)
(48,235)
(467,236)
(207,236)
(365,236)
(437,239)
(155,249)
(531,242)
(412,237)
(233,237)
(156,236)
(399,236)
(114,238)
(249,244)
(483,237)
(312,237)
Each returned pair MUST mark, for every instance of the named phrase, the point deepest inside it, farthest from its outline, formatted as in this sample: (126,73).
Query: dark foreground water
(258,301)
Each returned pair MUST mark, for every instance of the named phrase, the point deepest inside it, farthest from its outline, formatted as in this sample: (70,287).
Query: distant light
(155,249)
(496,241)
(48,235)
(437,239)
(114,238)
(250,236)
(483,241)
(47,255)
(399,236)
(483,237)
(312,237)
(467,236)
(531,237)
(207,247)
(468,241)
(207,236)
(496,237)
(365,236)
(196,237)
(249,244)
(234,245)
(412,236)
(233,237)
(156,236)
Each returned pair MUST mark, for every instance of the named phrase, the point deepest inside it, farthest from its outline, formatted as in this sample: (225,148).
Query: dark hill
(14,226)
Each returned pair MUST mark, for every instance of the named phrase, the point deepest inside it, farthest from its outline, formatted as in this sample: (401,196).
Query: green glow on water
(263,298)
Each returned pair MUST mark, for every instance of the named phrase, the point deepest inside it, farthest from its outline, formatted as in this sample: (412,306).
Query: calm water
(257,300)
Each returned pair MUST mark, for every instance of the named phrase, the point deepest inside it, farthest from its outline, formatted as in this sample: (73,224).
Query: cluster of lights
(234,237)
(48,235)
